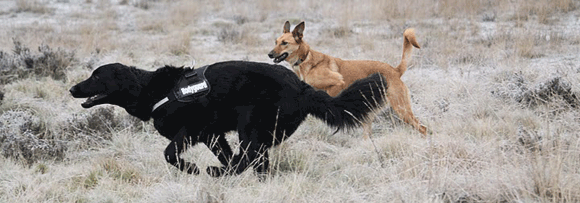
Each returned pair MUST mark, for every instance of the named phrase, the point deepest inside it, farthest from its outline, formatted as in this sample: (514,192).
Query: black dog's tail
(351,106)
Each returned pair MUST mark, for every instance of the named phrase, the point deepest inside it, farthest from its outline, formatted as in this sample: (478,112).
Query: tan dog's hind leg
(329,81)
(400,101)
(334,90)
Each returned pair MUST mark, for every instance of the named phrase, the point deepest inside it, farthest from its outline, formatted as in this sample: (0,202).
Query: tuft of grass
(41,168)
(33,6)
(180,43)
(142,4)
(229,34)
(476,60)
(105,168)
(237,34)
(152,25)
(92,180)
(543,10)
(526,47)
(249,37)
(456,8)
(119,171)
(184,13)
(288,161)
(340,32)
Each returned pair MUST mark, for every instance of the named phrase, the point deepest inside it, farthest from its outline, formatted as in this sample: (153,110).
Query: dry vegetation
(496,81)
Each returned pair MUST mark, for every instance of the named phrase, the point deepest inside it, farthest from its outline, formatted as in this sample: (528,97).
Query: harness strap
(159,103)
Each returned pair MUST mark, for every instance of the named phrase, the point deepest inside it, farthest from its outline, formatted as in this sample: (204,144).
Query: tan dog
(334,74)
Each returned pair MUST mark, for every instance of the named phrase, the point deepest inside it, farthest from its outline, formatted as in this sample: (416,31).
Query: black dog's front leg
(175,148)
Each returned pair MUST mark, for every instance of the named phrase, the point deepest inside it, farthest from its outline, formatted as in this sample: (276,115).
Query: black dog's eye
(284,43)
(96,77)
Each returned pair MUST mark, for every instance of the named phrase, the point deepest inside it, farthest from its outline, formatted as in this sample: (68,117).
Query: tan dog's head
(288,45)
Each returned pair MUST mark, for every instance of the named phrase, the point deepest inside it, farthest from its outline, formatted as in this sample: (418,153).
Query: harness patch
(192,89)
(191,85)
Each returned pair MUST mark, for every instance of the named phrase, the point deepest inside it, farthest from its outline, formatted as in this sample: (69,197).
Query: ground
(496,81)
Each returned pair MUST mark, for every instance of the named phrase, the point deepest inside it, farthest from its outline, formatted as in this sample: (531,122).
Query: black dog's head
(109,84)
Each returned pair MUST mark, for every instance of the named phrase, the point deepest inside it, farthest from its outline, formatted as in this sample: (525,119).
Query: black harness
(191,85)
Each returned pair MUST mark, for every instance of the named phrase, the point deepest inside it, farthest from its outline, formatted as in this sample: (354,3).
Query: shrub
(23,64)
(547,91)
(97,125)
(515,87)
(19,141)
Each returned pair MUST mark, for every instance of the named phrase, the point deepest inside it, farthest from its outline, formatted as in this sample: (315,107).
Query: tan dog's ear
(286,27)
(297,32)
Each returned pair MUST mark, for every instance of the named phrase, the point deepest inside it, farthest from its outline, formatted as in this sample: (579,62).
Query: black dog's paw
(215,171)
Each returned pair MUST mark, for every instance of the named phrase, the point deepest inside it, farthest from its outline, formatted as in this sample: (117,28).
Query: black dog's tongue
(90,102)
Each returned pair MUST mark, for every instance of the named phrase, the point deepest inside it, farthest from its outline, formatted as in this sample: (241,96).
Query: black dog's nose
(73,89)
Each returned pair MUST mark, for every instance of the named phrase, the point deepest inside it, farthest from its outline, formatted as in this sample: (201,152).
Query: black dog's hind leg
(220,147)
(251,154)
(175,148)
(253,150)
(254,129)
(255,155)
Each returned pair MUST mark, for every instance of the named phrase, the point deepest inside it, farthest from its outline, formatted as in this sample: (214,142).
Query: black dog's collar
(191,85)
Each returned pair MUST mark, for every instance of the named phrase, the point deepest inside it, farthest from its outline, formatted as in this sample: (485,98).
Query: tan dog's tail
(409,39)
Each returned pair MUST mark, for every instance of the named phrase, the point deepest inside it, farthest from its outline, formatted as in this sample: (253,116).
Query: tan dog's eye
(284,43)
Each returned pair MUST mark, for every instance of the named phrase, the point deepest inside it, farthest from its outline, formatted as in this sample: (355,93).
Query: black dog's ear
(286,27)
(297,32)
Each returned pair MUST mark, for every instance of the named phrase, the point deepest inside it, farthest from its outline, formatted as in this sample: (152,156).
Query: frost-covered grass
(496,81)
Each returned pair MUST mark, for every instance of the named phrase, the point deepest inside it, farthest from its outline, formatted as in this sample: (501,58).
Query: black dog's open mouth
(94,100)
(280,58)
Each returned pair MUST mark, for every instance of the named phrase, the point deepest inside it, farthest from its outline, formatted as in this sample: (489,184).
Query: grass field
(497,82)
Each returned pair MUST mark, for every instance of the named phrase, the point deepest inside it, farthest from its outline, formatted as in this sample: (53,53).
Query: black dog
(265,103)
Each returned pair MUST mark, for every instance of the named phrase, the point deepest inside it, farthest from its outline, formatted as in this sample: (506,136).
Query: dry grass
(33,6)
(496,81)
